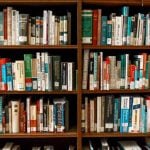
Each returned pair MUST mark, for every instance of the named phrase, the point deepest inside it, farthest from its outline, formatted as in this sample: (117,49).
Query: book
(15,105)
(87,16)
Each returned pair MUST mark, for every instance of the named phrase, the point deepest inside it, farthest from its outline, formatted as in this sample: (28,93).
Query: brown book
(5,26)
(99,27)
(95,26)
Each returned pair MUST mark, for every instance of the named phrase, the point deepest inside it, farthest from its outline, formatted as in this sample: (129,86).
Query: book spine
(1,109)
(23,29)
(28,101)
(87,26)
(28,71)
(15,116)
(33,119)
(56,72)
(1,28)
(124,119)
(104,30)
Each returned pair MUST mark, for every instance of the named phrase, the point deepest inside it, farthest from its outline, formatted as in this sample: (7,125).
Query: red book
(95,26)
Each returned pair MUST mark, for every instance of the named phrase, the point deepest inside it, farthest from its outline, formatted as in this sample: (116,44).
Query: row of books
(122,29)
(105,144)
(123,71)
(125,114)
(39,73)
(34,115)
(13,146)
(48,29)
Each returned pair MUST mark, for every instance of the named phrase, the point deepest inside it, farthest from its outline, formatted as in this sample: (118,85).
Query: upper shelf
(38,47)
(115,47)
(37,2)
(114,2)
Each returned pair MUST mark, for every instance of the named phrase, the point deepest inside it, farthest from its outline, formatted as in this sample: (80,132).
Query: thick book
(15,105)
(56,72)
(23,29)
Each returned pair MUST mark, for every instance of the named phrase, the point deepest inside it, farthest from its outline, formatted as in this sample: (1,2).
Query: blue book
(4,77)
(124,118)
(129,22)
(9,76)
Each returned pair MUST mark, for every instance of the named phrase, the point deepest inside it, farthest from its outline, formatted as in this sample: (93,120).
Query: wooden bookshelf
(73,51)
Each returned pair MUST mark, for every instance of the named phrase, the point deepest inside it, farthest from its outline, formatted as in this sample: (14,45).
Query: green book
(28,71)
(87,29)
(104,31)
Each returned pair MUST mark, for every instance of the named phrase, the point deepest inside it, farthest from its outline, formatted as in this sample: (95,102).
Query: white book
(52,30)
(49,27)
(17,28)
(147,40)
(118,30)
(51,118)
(45,31)
(136,114)
(38,57)
(85,69)
(15,116)
(33,118)
(70,76)
(19,75)
(28,101)
(99,115)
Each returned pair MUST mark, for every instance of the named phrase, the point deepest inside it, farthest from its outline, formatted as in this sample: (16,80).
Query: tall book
(19,75)
(28,71)
(23,28)
(85,69)
(124,118)
(87,29)
(1,28)
(56,72)
(15,105)
(109,113)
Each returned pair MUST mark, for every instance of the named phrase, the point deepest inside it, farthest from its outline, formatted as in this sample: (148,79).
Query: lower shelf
(116,134)
(39,135)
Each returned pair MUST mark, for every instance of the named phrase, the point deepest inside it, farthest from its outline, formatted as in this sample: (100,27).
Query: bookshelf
(74,52)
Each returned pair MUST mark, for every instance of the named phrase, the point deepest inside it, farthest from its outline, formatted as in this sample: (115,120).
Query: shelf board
(113,2)
(37,92)
(38,2)
(116,47)
(117,134)
(39,135)
(40,47)
(123,91)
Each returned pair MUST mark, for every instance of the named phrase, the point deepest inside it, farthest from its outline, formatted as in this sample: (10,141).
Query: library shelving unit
(74,53)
